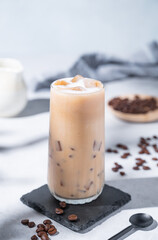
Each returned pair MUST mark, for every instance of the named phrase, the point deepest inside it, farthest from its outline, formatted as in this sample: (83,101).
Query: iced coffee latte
(76,140)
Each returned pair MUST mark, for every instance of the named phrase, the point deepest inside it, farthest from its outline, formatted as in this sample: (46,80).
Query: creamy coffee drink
(76,140)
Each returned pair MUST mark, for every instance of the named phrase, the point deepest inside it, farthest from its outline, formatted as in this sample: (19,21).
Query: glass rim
(52,86)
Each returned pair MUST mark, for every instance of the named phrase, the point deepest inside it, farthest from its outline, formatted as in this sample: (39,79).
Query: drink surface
(76,141)
(77,85)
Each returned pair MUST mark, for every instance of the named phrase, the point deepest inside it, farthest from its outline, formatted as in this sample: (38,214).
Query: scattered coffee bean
(139,163)
(47,221)
(155,159)
(25,221)
(52,226)
(122,146)
(52,231)
(40,234)
(118,165)
(47,226)
(59,211)
(146,168)
(34,237)
(44,237)
(115,151)
(155,137)
(40,229)
(109,150)
(155,147)
(115,169)
(72,217)
(157,164)
(70,156)
(40,225)
(136,168)
(139,159)
(122,173)
(148,139)
(125,155)
(144,150)
(63,204)
(31,224)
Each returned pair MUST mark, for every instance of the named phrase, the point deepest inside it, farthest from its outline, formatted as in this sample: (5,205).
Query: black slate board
(88,214)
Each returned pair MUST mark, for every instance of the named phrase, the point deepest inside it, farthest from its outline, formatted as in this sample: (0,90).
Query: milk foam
(79,83)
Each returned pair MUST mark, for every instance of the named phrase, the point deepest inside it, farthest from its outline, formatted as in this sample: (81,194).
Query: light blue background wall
(41,27)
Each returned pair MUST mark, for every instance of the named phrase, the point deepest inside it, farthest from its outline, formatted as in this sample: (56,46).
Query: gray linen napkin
(104,68)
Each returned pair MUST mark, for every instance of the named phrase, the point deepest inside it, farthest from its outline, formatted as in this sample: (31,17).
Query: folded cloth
(104,68)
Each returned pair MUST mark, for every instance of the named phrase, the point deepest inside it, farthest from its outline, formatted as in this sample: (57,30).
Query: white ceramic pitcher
(13,92)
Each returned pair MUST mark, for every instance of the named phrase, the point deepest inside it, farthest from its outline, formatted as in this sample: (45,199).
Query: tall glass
(76,145)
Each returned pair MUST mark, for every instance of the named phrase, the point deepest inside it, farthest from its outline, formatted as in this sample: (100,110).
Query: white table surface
(25,168)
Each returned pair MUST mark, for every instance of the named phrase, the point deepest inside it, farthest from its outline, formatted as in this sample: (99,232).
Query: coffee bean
(52,226)
(122,146)
(52,231)
(44,237)
(62,204)
(155,147)
(115,169)
(125,155)
(40,234)
(25,221)
(139,163)
(47,226)
(59,211)
(136,168)
(134,106)
(109,150)
(148,139)
(34,237)
(114,151)
(146,168)
(118,165)
(72,217)
(40,229)
(40,225)
(31,224)
(155,159)
(47,221)
(155,137)
(122,173)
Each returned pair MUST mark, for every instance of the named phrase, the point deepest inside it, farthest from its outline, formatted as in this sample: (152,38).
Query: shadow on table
(152,227)
(35,106)
(143,191)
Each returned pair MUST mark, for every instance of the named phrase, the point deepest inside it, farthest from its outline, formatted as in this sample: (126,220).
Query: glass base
(77,201)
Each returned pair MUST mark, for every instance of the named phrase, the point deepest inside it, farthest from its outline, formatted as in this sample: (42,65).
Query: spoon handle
(120,234)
